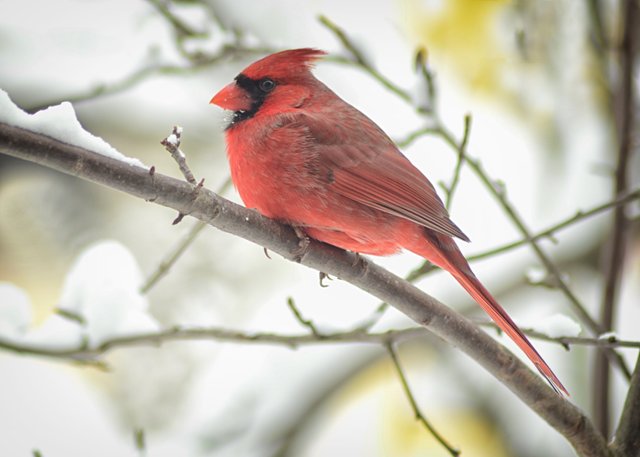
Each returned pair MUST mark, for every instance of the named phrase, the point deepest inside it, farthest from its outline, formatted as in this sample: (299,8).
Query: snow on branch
(59,122)
(209,207)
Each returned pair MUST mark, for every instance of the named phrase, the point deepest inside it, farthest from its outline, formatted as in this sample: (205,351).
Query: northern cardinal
(301,155)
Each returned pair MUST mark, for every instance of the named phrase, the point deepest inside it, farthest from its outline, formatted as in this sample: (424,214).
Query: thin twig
(71,315)
(604,341)
(427,267)
(195,61)
(500,196)
(374,317)
(413,136)
(91,355)
(428,78)
(303,321)
(358,59)
(627,439)
(181,28)
(85,354)
(140,441)
(448,137)
(171,257)
(172,144)
(414,405)
(600,43)
(462,148)
(154,69)
(357,56)
(625,120)
(494,190)
(551,267)
(579,216)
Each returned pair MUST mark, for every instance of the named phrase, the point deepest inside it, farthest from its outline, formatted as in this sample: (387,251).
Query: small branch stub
(172,144)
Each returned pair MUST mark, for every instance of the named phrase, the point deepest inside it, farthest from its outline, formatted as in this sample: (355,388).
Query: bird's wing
(360,162)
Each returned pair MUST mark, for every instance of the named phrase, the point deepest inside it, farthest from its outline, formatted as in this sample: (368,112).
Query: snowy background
(539,125)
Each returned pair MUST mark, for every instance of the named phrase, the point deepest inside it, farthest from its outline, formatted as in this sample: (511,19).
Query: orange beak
(233,98)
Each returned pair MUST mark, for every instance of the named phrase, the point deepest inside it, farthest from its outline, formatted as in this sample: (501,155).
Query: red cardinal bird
(302,155)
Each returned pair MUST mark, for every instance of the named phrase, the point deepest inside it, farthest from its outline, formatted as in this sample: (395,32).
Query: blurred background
(541,82)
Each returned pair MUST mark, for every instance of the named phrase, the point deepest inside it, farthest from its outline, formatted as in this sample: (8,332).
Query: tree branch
(153,69)
(499,194)
(226,216)
(627,439)
(414,404)
(91,355)
(84,354)
(625,101)
(449,191)
(549,232)
(176,252)
(459,147)
(565,223)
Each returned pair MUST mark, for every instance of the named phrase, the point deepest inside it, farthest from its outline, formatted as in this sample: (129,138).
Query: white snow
(103,288)
(558,325)
(536,275)
(15,311)
(172,139)
(419,92)
(57,332)
(59,122)
(608,336)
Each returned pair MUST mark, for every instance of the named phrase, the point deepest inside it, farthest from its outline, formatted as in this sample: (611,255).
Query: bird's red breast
(300,154)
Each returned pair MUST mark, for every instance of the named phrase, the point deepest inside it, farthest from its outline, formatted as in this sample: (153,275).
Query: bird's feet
(359,260)
(303,244)
(322,277)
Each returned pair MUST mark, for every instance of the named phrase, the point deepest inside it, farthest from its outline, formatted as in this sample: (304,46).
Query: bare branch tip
(421,58)
(304,322)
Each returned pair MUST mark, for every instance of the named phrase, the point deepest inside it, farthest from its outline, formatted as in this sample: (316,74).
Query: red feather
(300,154)
(285,64)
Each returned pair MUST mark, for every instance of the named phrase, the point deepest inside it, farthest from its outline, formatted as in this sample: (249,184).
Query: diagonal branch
(414,404)
(627,440)
(172,256)
(148,71)
(461,158)
(499,194)
(226,216)
(625,118)
(550,231)
(459,147)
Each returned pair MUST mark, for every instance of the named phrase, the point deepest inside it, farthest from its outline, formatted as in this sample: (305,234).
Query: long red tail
(443,251)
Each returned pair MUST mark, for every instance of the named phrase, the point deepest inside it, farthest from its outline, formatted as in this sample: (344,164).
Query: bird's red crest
(290,63)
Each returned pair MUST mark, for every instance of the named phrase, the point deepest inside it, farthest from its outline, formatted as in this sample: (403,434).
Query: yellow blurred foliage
(463,34)
(398,432)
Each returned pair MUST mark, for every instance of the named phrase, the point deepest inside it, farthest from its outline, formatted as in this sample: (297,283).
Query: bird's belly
(353,241)
(292,195)
(332,218)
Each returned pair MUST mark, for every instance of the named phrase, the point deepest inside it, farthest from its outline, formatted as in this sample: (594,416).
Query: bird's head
(275,83)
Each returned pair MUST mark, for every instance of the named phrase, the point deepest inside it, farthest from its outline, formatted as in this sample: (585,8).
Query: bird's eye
(266,85)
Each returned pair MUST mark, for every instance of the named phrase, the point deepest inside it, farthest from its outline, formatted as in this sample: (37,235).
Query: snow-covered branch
(205,205)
